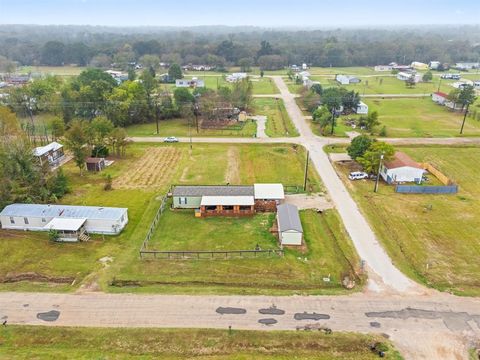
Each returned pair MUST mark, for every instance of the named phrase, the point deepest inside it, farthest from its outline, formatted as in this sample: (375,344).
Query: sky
(263,13)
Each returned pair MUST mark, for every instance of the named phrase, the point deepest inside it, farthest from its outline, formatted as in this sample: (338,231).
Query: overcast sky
(266,13)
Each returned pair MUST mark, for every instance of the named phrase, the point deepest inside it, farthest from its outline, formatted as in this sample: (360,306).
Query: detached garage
(290,231)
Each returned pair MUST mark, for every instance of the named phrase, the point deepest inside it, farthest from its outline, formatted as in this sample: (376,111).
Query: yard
(137,182)
(432,238)
(52,70)
(42,342)
(279,123)
(182,128)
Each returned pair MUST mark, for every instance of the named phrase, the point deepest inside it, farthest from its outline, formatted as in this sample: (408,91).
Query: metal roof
(402,160)
(269,191)
(227,200)
(66,211)
(42,150)
(64,224)
(288,218)
(225,190)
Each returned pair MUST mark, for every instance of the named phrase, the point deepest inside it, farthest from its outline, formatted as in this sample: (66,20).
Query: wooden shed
(95,164)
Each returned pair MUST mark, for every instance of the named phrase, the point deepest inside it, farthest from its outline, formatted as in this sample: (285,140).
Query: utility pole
(378,173)
(333,120)
(306,172)
(439,83)
(464,118)
(196,110)
(157,115)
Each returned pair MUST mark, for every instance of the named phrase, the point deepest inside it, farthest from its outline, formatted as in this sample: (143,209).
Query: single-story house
(52,153)
(467,65)
(236,198)
(95,164)
(362,108)
(268,196)
(39,217)
(404,76)
(419,65)
(439,97)
(290,231)
(347,79)
(434,65)
(189,83)
(383,68)
(402,169)
(236,77)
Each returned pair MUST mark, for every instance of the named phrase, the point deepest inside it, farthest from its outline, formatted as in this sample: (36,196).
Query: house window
(182,201)
(44,220)
(122,219)
(245,207)
(12,220)
(25,220)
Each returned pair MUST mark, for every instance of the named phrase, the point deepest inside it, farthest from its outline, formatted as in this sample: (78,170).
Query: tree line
(269,49)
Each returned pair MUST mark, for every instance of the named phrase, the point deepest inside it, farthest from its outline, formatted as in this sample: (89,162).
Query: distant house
(362,108)
(466,66)
(228,200)
(236,77)
(404,76)
(52,154)
(402,169)
(95,164)
(118,75)
(476,84)
(18,79)
(347,79)
(439,97)
(70,221)
(383,68)
(191,67)
(190,83)
(401,67)
(290,230)
(419,65)
(434,65)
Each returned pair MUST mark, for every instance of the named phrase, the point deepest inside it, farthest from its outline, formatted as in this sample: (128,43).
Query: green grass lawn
(420,118)
(32,252)
(432,238)
(279,123)
(42,342)
(182,128)
(213,233)
(53,70)
(264,86)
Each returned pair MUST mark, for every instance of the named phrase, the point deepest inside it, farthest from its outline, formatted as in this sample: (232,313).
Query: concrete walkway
(261,121)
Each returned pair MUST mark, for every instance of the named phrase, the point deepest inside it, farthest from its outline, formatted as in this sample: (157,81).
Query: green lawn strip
(182,128)
(264,86)
(27,342)
(431,238)
(279,123)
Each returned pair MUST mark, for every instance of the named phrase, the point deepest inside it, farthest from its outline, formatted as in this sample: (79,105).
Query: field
(264,86)
(279,123)
(52,70)
(432,238)
(56,267)
(216,80)
(182,128)
(29,342)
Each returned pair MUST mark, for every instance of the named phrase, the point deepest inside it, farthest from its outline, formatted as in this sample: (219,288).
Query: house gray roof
(65,211)
(288,218)
(228,190)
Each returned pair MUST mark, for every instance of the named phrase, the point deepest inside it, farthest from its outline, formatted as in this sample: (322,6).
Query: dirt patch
(154,169)
(35,277)
(232,174)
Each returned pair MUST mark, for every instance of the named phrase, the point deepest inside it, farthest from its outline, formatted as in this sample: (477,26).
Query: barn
(44,217)
(290,231)
(268,196)
(402,169)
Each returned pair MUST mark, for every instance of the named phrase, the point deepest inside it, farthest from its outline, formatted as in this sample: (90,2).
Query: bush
(383,131)
(53,235)
(108,182)
(100,151)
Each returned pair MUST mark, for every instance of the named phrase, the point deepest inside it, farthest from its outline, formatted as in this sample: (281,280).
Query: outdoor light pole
(378,173)
(464,118)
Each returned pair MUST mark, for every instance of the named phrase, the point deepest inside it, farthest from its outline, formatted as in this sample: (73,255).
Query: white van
(358,175)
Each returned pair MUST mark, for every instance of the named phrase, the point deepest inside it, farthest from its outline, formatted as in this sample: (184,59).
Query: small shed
(95,164)
(52,154)
(439,97)
(290,231)
(402,169)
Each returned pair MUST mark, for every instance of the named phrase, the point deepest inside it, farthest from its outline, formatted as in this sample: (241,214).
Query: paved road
(422,328)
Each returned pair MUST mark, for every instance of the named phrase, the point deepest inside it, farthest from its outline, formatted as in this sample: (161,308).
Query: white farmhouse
(234,77)
(402,169)
(439,97)
(67,219)
(290,231)
(362,108)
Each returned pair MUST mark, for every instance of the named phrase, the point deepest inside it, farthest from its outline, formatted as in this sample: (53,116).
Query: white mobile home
(38,217)
(402,169)
(190,83)
(383,68)
(347,79)
(52,154)
(362,108)
(236,77)
(404,76)
(290,231)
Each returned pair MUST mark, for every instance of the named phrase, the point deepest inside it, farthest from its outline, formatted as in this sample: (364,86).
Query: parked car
(171,139)
(358,175)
